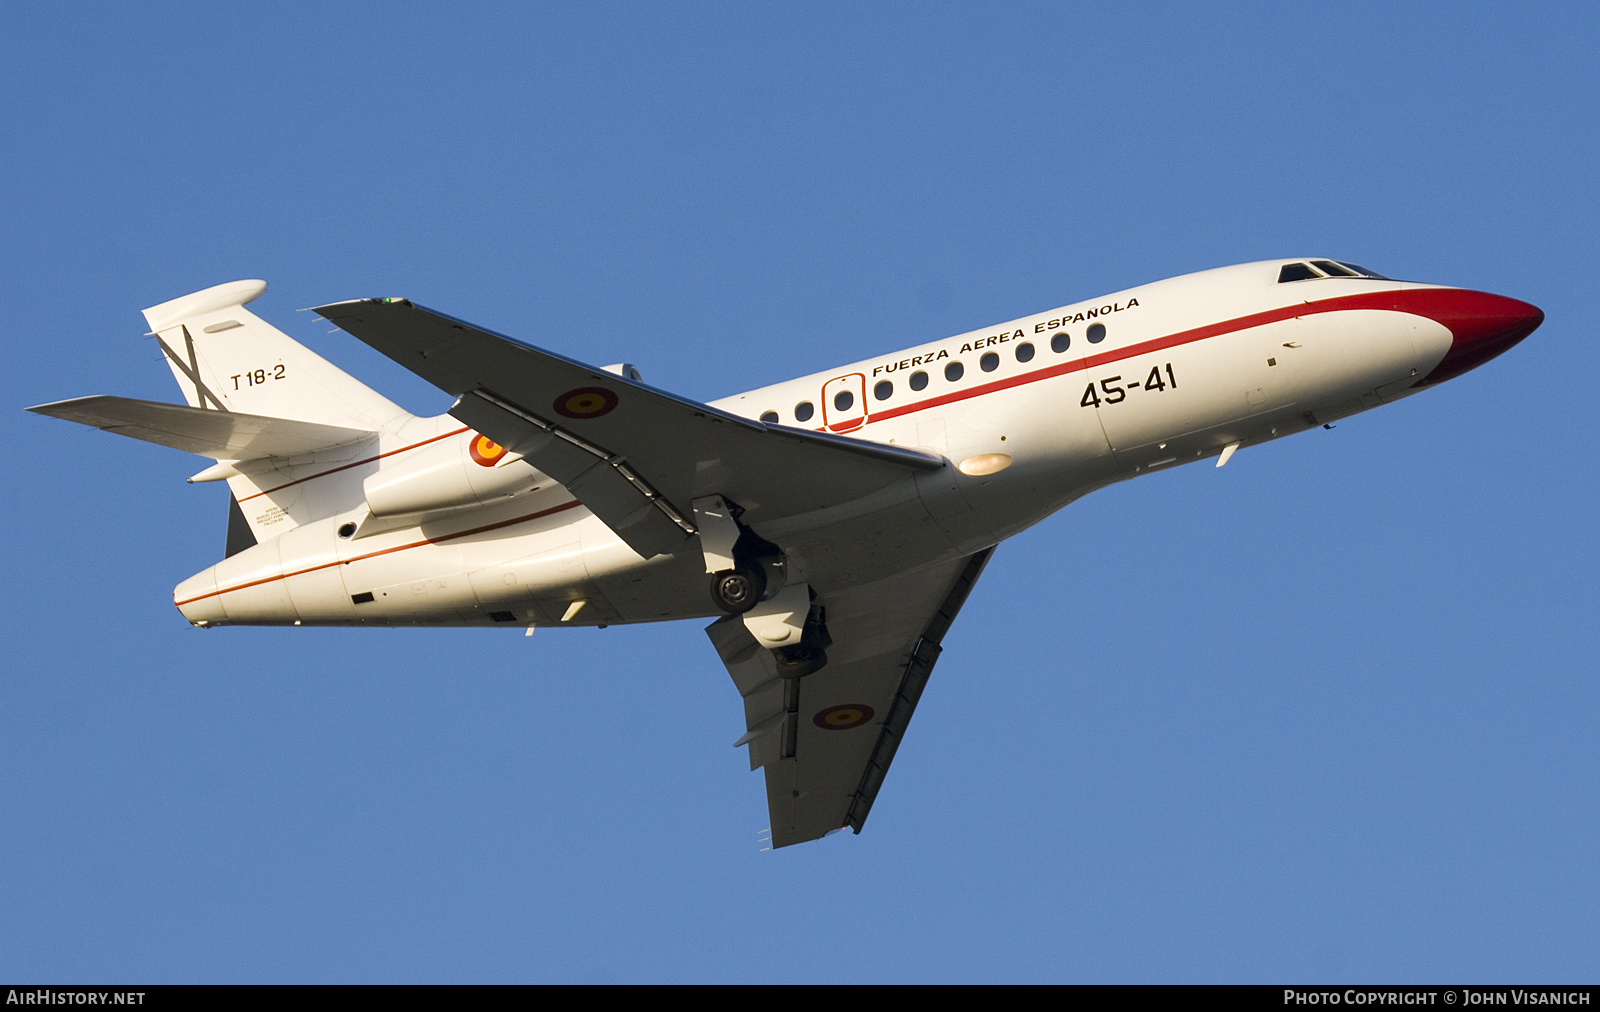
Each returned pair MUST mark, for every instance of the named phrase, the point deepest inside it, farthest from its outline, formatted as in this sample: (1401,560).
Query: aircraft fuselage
(1031,415)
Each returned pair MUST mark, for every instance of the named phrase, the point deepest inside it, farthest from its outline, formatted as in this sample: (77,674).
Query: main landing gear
(749,578)
(811,653)
(736,591)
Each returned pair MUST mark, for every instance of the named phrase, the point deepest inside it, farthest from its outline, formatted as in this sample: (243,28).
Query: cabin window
(1097,333)
(919,380)
(803,411)
(769,416)
(1296,272)
(1024,352)
(884,390)
(989,362)
(843,400)
(1060,342)
(953,371)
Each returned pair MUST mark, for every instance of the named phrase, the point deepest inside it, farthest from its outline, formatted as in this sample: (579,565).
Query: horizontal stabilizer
(221,435)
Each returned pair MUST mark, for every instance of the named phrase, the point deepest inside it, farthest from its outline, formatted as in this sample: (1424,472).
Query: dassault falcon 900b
(834,523)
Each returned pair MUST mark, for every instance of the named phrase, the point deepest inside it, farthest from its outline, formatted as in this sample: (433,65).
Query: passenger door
(844,402)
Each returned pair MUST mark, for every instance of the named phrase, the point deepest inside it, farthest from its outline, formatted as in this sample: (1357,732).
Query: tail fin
(226,358)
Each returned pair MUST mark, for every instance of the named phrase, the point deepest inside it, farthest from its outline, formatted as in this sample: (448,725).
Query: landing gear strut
(749,577)
(745,568)
(811,653)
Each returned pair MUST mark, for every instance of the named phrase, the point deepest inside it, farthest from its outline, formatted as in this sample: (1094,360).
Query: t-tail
(269,411)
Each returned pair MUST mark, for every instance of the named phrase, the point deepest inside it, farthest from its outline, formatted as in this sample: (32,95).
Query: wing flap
(669,449)
(918,668)
(601,481)
(220,435)
(755,675)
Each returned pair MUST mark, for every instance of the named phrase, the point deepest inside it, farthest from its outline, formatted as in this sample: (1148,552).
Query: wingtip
(392,300)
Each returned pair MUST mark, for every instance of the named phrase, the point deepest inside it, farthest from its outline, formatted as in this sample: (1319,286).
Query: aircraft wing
(221,435)
(826,740)
(636,456)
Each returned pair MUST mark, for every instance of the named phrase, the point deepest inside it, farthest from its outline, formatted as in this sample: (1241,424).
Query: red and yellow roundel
(485,451)
(842,718)
(585,402)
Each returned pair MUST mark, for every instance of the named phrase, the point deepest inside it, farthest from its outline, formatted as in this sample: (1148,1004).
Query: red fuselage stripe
(1389,300)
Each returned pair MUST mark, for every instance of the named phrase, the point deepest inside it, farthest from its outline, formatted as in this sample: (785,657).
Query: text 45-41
(1113,391)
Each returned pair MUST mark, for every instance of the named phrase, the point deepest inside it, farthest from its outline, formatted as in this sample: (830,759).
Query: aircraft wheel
(736,591)
(799,661)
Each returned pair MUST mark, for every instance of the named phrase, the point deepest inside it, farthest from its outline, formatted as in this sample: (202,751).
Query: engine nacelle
(466,470)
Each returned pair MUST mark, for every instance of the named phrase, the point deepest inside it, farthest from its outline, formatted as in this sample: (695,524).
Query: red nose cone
(1481,325)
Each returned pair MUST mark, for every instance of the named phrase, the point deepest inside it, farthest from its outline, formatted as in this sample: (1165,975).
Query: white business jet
(834,523)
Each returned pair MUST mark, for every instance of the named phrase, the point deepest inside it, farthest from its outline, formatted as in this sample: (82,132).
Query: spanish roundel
(585,402)
(842,718)
(485,451)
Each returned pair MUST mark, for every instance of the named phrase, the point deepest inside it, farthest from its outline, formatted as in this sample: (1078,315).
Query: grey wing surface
(636,456)
(826,740)
(221,435)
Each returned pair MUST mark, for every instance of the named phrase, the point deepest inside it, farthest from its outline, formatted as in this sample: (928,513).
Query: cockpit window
(1364,272)
(1326,268)
(1331,268)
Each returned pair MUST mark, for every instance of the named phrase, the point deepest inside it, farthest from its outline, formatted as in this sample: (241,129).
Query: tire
(799,661)
(736,591)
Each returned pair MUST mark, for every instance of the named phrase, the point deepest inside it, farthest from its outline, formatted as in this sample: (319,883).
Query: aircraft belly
(315,580)
(585,561)
(665,587)
(262,597)
(439,597)
(1044,452)
(886,532)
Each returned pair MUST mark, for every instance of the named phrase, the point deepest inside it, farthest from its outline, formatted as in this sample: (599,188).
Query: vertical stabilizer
(240,535)
(226,358)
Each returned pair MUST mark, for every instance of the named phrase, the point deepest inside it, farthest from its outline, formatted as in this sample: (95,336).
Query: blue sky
(1326,714)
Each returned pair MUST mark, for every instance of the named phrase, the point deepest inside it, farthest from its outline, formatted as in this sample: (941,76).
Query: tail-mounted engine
(468,470)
